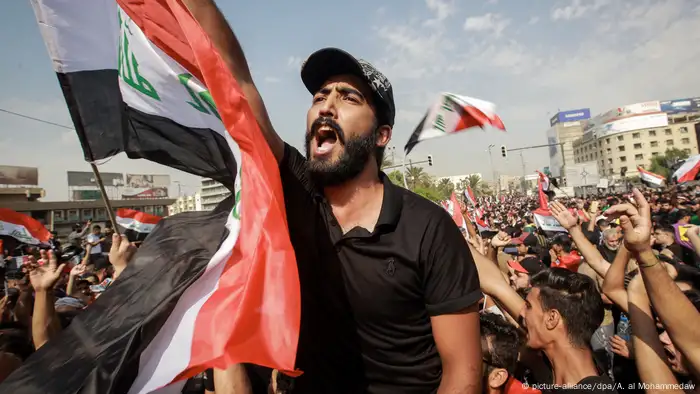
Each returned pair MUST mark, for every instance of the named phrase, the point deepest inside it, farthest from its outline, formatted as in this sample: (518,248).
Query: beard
(356,151)
(612,248)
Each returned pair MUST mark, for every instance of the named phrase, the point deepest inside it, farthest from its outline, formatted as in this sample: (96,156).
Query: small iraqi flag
(688,171)
(136,224)
(650,179)
(22,227)
(453,114)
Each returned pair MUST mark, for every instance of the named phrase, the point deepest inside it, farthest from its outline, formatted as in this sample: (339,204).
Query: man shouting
(389,289)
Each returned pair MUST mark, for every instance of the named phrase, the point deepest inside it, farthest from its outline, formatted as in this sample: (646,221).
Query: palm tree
(445,187)
(663,164)
(386,162)
(475,182)
(415,176)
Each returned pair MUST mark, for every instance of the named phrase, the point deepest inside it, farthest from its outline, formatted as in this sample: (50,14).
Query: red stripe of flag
(254,314)
(33,226)
(139,216)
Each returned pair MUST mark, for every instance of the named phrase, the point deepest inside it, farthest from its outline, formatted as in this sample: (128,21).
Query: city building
(186,204)
(15,194)
(212,193)
(61,216)
(622,139)
(565,128)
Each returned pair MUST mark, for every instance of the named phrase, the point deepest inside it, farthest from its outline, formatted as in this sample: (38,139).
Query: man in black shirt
(389,289)
(562,311)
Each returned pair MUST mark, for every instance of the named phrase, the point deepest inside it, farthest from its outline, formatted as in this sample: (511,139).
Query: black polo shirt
(367,297)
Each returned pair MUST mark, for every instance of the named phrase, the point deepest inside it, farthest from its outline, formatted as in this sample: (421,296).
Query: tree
(396,177)
(386,162)
(416,176)
(445,188)
(476,183)
(661,164)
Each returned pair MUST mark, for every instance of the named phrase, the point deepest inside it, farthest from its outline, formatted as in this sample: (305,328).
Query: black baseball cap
(328,62)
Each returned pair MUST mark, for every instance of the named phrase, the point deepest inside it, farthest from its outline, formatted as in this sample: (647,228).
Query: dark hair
(688,274)
(564,241)
(505,341)
(575,297)
(665,228)
(96,227)
(13,340)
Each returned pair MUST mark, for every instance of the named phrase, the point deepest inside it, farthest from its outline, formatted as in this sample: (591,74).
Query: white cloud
(630,51)
(577,9)
(493,23)
(441,8)
(294,62)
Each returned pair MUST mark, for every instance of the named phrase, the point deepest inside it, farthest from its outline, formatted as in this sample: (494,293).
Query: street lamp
(179,188)
(493,170)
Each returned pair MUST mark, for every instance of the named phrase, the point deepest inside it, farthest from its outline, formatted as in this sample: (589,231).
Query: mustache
(328,122)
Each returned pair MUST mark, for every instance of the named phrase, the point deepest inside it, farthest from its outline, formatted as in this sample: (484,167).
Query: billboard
(86,195)
(570,116)
(555,154)
(14,175)
(139,181)
(154,192)
(582,174)
(86,178)
(681,105)
(647,107)
(632,123)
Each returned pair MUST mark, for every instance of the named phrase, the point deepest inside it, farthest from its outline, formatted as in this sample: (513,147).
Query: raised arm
(614,282)
(676,312)
(572,224)
(214,24)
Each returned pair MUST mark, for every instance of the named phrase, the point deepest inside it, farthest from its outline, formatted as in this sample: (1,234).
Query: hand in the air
(635,222)
(563,216)
(44,274)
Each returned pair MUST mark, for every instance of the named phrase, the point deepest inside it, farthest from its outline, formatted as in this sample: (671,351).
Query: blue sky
(528,57)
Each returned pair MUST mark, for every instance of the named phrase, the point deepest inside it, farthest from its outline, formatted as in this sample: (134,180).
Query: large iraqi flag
(22,228)
(205,289)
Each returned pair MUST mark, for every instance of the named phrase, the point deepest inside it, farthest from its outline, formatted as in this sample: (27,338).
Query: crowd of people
(608,306)
(393,298)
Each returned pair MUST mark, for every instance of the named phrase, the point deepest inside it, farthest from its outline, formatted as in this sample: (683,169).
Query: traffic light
(504,151)
(430,160)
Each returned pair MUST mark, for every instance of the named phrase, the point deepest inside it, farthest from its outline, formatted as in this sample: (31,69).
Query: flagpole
(403,164)
(105,199)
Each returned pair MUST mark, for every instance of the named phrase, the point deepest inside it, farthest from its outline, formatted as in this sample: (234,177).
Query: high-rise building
(565,128)
(186,204)
(622,139)
(212,193)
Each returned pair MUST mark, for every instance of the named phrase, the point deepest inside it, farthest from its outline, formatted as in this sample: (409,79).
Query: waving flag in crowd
(543,216)
(689,170)
(453,114)
(650,179)
(22,227)
(469,196)
(232,269)
(118,98)
(136,224)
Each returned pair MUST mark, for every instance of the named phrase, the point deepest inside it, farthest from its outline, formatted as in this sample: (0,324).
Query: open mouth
(670,354)
(325,138)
